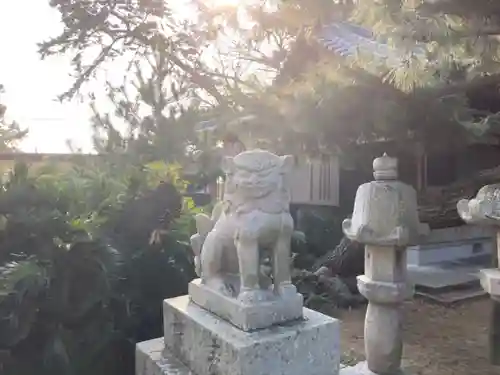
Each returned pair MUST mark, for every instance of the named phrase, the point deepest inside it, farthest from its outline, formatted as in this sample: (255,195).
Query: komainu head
(256,173)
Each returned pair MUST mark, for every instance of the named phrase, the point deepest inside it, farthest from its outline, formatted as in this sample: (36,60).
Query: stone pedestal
(490,281)
(196,342)
(272,309)
(385,219)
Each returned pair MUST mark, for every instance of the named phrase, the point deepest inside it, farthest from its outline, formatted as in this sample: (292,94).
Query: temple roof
(347,39)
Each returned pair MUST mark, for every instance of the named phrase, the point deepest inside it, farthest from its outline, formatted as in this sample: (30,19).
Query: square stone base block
(279,309)
(490,281)
(362,369)
(206,345)
(151,358)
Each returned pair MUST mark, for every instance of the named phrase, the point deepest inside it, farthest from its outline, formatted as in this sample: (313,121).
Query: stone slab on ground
(447,283)
(208,345)
(362,369)
(248,317)
(450,297)
(437,277)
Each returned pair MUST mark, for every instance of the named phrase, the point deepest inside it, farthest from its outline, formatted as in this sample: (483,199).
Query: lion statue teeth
(252,219)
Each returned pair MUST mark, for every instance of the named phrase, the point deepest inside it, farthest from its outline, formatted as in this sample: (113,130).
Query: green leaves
(448,36)
(21,285)
(22,275)
(10,131)
(79,279)
(83,278)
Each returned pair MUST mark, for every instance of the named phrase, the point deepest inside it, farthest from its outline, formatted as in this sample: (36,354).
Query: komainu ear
(227,165)
(288,162)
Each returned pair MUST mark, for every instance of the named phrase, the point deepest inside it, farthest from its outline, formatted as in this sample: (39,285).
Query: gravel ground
(438,340)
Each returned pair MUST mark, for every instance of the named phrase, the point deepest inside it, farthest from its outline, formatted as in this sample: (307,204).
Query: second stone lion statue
(252,219)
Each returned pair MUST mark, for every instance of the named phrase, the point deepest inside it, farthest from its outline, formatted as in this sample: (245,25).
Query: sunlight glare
(225,3)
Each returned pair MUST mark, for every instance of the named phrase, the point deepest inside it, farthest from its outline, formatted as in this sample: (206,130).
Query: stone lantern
(484,209)
(385,219)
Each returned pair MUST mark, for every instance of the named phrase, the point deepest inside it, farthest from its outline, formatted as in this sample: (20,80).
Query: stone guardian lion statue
(253,218)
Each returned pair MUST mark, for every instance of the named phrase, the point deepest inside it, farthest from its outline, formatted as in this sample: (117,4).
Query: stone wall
(451,244)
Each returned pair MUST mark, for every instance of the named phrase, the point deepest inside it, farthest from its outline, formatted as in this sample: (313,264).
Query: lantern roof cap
(385,168)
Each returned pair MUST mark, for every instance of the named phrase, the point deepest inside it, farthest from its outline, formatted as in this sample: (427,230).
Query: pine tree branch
(89,70)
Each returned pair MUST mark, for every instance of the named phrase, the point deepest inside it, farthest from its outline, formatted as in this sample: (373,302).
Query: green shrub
(81,279)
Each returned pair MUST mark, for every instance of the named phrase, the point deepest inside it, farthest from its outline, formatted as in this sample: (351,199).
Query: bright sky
(32,85)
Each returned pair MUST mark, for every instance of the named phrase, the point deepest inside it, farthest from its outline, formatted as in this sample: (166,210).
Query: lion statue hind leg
(212,273)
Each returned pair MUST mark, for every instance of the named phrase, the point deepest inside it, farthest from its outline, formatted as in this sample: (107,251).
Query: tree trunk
(421,164)
(347,259)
